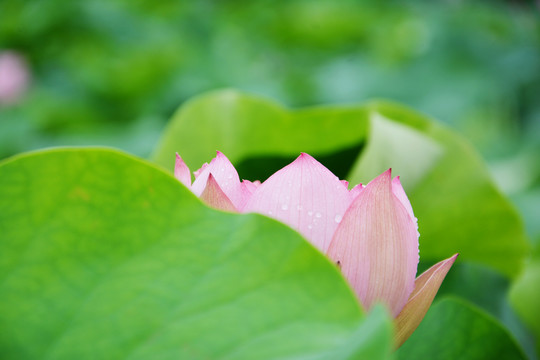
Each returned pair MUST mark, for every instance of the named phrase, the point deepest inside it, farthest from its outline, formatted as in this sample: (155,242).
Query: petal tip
(304,156)
(181,171)
(384,179)
(386,174)
(214,196)
(426,287)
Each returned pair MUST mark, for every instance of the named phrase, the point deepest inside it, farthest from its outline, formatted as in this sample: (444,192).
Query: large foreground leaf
(458,207)
(103,256)
(453,329)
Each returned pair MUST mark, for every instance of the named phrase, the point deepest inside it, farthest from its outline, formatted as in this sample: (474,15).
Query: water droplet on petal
(310,213)
(270,212)
(230,176)
(338,218)
(299,207)
(284,207)
(318,215)
(310,227)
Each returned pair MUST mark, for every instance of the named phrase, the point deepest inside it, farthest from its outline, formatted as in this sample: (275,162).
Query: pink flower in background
(14,77)
(370,232)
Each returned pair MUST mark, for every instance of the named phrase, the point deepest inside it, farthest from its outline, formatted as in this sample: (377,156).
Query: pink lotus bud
(14,77)
(370,231)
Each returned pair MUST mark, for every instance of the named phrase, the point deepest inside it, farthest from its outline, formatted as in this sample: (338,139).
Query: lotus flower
(14,77)
(370,232)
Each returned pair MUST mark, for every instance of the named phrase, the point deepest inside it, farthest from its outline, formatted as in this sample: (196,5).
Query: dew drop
(310,213)
(310,227)
(338,218)
(299,207)
(318,215)
(230,176)
(284,207)
(270,212)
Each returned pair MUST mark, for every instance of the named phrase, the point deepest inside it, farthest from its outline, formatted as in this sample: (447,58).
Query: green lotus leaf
(105,256)
(525,295)
(455,329)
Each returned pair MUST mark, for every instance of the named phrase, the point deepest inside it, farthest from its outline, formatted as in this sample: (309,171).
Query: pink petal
(181,171)
(199,171)
(215,197)
(355,191)
(425,289)
(306,196)
(397,189)
(345,183)
(249,186)
(225,175)
(14,77)
(376,246)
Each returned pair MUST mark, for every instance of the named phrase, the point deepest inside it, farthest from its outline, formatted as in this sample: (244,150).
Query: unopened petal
(181,171)
(426,287)
(376,246)
(215,197)
(397,189)
(306,196)
(224,174)
(249,186)
(355,191)
(199,171)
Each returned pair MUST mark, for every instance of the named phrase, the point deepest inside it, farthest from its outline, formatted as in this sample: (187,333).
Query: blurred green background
(113,72)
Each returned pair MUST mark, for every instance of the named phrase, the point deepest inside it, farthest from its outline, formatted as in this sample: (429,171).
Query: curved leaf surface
(103,256)
(243,126)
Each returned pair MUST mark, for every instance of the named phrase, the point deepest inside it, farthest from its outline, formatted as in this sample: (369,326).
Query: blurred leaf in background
(112,72)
